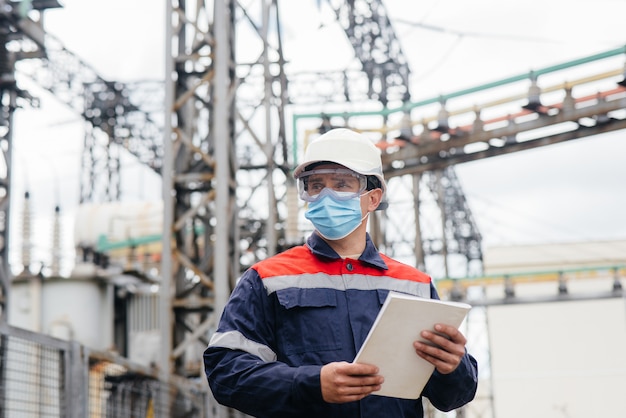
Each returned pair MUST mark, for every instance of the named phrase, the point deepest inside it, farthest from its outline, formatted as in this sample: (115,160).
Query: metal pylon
(25,36)
(8,97)
(224,146)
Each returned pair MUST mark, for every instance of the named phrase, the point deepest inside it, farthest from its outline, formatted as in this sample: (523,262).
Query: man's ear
(373,199)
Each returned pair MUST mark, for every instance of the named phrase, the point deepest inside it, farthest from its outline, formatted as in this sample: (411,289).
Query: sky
(560,193)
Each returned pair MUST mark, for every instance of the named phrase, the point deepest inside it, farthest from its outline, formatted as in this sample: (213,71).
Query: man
(294,323)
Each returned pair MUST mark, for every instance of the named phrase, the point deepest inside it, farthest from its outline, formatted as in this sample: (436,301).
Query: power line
(470,34)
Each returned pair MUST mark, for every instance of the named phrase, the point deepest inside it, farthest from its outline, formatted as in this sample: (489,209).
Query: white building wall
(69,309)
(561,358)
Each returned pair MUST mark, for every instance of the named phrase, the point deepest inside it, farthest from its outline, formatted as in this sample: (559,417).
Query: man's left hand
(447,348)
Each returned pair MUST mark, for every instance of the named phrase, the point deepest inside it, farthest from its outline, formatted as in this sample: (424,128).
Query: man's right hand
(347,382)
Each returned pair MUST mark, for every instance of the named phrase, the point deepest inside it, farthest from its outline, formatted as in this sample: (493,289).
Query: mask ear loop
(368,212)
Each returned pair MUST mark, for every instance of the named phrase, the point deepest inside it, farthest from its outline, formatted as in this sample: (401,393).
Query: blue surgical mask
(335,219)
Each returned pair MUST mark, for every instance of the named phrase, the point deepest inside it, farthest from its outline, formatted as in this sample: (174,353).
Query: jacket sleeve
(241,365)
(451,391)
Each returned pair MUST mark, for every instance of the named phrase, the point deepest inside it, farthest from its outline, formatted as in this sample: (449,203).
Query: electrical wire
(469,34)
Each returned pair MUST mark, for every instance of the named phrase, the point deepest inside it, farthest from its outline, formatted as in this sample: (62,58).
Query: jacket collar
(320,248)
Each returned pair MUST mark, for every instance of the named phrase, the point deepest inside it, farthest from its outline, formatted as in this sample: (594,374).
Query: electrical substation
(121,332)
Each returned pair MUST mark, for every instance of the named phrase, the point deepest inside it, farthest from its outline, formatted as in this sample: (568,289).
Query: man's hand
(347,382)
(448,349)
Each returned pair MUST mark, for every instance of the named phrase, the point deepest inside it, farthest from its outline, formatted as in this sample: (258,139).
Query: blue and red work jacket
(292,313)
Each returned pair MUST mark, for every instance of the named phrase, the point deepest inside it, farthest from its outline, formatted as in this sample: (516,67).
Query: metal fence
(41,376)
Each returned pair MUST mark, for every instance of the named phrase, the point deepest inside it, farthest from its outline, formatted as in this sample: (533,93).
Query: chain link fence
(41,376)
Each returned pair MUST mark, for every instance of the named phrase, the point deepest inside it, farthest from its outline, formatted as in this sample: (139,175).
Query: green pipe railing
(104,245)
(502,276)
(442,98)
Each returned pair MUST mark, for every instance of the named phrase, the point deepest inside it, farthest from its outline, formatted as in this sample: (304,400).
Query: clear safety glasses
(342,183)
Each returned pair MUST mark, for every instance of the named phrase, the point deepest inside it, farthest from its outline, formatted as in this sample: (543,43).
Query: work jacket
(294,312)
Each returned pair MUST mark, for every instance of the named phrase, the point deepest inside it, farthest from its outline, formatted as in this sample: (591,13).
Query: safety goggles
(342,183)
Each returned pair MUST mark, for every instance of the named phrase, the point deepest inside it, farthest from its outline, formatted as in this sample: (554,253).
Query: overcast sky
(568,192)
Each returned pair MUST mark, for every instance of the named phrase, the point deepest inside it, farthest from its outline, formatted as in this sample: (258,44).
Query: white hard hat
(348,148)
